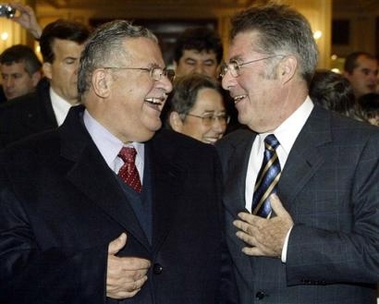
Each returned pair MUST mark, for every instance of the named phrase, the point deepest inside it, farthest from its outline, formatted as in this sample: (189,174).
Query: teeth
(154,100)
(238,98)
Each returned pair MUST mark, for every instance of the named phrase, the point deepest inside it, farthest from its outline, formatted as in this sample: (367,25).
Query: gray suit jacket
(330,186)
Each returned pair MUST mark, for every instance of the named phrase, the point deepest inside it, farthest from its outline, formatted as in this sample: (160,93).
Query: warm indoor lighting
(317,35)
(335,70)
(334,57)
(4,36)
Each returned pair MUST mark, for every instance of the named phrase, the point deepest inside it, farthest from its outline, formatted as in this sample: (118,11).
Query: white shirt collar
(60,106)
(288,131)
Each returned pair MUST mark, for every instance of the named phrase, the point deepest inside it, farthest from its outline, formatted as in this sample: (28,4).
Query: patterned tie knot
(128,172)
(271,142)
(128,155)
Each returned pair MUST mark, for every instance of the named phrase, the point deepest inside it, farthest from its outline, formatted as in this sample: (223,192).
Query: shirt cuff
(285,246)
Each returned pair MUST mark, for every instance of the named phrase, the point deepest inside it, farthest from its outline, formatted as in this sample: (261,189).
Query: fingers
(277,205)
(117,244)
(264,236)
(126,276)
(126,289)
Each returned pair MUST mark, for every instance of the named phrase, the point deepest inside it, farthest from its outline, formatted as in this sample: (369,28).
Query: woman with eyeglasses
(196,108)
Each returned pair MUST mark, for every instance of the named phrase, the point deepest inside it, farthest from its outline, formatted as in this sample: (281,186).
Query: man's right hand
(125,275)
(26,17)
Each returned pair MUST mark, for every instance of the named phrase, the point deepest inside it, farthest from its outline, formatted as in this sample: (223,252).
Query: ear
(287,68)
(101,83)
(47,70)
(36,77)
(176,122)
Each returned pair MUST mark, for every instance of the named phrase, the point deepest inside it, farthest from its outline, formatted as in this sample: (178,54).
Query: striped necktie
(267,179)
(128,172)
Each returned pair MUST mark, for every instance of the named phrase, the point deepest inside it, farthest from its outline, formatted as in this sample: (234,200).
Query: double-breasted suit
(330,187)
(61,205)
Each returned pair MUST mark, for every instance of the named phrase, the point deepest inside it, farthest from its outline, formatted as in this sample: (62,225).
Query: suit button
(260,295)
(157,268)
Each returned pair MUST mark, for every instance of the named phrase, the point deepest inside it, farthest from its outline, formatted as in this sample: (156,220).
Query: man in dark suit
(316,238)
(61,42)
(73,231)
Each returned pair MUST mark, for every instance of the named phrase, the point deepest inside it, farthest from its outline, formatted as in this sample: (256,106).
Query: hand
(266,236)
(125,275)
(26,17)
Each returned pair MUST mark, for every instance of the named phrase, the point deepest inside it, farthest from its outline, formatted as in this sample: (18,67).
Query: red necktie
(128,172)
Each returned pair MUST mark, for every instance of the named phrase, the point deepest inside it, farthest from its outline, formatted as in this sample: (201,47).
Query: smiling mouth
(238,98)
(155,101)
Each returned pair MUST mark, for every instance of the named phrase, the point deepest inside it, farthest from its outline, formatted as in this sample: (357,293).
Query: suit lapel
(304,158)
(91,175)
(167,182)
(234,196)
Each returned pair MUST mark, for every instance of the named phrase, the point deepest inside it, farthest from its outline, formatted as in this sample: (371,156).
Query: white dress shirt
(286,134)
(60,106)
(109,145)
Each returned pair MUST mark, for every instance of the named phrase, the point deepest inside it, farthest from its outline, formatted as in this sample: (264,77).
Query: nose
(166,84)
(199,68)
(227,81)
(8,82)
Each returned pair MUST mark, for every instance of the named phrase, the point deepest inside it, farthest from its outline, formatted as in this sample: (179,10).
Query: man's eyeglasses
(209,119)
(234,67)
(155,73)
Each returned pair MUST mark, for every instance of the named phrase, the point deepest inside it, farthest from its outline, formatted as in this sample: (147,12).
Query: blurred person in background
(196,108)
(361,69)
(61,42)
(334,92)
(20,70)
(198,50)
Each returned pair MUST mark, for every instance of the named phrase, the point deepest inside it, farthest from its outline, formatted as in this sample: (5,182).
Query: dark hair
(21,53)
(351,60)
(200,39)
(105,48)
(281,30)
(368,105)
(61,29)
(184,94)
(334,92)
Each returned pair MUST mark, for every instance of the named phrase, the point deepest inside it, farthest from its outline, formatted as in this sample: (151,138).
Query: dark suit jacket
(28,114)
(61,205)
(330,186)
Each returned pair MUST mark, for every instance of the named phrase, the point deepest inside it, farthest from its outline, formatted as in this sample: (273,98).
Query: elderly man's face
(132,111)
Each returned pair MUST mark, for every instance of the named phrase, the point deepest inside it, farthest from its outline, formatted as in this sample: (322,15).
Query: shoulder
(342,128)
(29,156)
(235,139)
(175,145)
(20,105)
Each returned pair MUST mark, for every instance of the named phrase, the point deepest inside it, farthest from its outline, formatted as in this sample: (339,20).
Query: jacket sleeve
(30,274)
